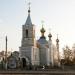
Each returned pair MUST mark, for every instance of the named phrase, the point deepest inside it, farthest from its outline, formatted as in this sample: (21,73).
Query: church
(39,52)
(33,52)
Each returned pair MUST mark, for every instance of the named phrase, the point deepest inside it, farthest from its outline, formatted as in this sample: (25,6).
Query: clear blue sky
(59,15)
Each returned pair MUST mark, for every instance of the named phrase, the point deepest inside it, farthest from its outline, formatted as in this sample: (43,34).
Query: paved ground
(38,72)
(59,71)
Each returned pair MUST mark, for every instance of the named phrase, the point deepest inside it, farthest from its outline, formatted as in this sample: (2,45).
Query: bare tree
(73,48)
(68,55)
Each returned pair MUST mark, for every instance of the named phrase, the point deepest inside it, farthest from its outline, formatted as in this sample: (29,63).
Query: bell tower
(28,32)
(27,43)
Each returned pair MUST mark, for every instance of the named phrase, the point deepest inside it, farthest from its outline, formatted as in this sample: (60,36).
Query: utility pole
(6,53)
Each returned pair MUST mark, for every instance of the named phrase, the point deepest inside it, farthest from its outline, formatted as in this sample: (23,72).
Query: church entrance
(23,62)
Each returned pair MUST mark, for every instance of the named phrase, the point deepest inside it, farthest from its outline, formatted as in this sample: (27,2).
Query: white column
(50,53)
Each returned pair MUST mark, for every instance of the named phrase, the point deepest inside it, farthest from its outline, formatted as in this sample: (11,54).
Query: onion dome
(57,40)
(42,30)
(42,39)
(50,35)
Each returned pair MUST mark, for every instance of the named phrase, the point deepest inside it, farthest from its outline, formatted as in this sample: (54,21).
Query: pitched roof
(28,21)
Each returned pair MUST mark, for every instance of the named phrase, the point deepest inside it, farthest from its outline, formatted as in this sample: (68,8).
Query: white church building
(37,52)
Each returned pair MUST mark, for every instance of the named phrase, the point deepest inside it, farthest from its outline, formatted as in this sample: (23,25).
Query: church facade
(37,52)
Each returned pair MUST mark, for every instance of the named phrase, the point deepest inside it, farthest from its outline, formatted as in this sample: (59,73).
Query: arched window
(26,33)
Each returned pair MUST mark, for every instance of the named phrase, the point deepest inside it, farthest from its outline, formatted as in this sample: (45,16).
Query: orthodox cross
(42,23)
(29,5)
(49,30)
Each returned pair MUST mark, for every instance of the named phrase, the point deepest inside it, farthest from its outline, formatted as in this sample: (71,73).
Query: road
(55,72)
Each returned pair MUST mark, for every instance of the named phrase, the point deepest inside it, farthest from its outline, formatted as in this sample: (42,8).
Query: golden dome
(42,30)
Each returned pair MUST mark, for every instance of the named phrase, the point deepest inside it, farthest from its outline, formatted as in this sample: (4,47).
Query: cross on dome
(50,35)
(28,21)
(42,30)
(29,7)
(57,40)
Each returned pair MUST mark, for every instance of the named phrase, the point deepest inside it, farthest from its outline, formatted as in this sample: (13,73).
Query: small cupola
(50,35)
(57,40)
(42,32)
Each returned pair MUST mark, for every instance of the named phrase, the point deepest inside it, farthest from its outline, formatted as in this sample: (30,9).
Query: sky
(58,17)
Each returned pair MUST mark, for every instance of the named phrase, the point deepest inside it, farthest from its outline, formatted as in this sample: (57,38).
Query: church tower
(28,33)
(27,43)
(57,51)
(51,54)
